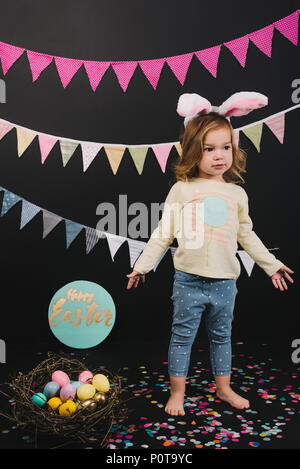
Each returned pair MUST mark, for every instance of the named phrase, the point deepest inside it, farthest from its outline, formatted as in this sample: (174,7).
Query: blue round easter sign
(81,314)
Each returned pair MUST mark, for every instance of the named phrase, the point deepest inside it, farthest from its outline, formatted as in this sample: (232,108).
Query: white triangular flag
(50,220)
(114,243)
(247,261)
(135,248)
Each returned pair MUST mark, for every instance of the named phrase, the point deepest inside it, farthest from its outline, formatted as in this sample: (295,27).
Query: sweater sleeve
(163,235)
(251,242)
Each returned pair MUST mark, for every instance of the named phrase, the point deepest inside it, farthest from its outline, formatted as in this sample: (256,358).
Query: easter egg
(88,404)
(51,389)
(76,384)
(39,399)
(54,402)
(100,398)
(67,392)
(86,391)
(101,383)
(86,377)
(60,377)
(67,409)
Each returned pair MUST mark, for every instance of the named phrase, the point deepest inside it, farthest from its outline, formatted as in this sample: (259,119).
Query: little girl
(207,211)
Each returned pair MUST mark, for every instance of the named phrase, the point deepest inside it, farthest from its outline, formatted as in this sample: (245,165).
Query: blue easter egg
(39,399)
(51,389)
(76,384)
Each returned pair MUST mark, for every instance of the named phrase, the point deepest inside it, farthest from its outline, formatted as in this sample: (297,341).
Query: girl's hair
(192,148)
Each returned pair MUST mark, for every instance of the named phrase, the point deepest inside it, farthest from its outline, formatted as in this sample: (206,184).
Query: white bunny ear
(189,104)
(243,102)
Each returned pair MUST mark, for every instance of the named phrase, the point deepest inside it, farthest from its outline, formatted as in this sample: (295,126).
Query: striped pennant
(277,126)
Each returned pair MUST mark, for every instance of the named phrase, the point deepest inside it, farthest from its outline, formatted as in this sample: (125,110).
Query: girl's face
(217,155)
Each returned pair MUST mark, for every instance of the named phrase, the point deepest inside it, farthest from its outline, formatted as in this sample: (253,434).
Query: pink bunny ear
(189,104)
(243,102)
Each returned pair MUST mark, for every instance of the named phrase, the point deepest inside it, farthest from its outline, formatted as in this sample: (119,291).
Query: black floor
(268,381)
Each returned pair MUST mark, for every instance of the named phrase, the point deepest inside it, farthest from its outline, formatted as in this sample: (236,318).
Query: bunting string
(50,220)
(115,152)
(178,64)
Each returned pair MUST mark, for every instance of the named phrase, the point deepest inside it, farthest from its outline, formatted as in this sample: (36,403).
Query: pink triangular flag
(152,70)
(288,26)
(209,58)
(46,143)
(38,62)
(276,124)
(89,151)
(9,54)
(239,48)
(5,127)
(67,68)
(124,72)
(263,39)
(162,154)
(236,134)
(179,65)
(95,71)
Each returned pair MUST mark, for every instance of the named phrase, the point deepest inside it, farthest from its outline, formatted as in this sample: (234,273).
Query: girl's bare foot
(175,404)
(232,398)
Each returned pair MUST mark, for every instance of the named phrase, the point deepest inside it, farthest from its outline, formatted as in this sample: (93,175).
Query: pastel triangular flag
(38,62)
(24,138)
(276,124)
(89,151)
(254,134)
(209,58)
(92,237)
(135,249)
(236,134)
(67,149)
(158,262)
(173,251)
(247,261)
(46,143)
(114,155)
(9,200)
(67,68)
(263,39)
(29,211)
(72,230)
(179,65)
(114,243)
(239,48)
(9,54)
(162,154)
(178,148)
(50,220)
(5,127)
(124,72)
(95,71)
(288,26)
(138,155)
(152,70)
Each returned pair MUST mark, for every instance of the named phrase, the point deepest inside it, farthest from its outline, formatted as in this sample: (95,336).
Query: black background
(33,269)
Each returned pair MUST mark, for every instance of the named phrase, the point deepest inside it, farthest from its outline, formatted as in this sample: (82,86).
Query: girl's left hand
(280,275)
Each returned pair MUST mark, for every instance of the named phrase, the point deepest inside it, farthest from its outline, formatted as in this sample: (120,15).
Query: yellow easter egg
(67,409)
(86,391)
(101,383)
(54,402)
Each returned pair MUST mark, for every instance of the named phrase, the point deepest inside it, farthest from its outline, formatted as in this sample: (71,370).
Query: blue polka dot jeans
(194,295)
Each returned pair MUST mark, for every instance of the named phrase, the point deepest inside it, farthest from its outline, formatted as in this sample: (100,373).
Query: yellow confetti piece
(153,402)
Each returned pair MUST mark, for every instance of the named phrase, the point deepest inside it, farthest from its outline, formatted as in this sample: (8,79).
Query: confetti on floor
(273,392)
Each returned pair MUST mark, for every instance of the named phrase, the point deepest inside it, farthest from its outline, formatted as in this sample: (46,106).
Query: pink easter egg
(86,377)
(60,377)
(67,392)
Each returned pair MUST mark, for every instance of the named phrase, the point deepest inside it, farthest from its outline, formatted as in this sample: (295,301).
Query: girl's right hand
(134,278)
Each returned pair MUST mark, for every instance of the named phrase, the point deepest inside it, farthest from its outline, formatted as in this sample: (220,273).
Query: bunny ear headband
(239,104)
